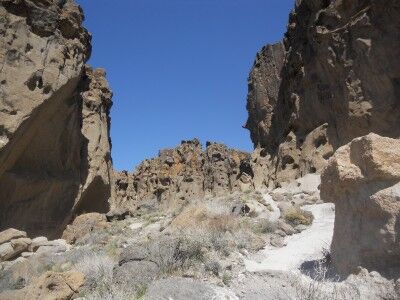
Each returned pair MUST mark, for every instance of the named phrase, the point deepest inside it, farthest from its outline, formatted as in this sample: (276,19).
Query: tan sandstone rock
(9,234)
(49,286)
(363,180)
(184,173)
(335,77)
(54,118)
(83,225)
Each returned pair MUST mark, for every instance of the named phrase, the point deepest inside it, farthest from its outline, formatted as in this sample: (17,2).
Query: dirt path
(305,246)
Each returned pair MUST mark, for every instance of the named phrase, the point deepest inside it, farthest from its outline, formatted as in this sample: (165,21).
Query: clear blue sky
(178,68)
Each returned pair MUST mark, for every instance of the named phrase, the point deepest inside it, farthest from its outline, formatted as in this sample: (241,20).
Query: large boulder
(335,77)
(50,285)
(54,118)
(83,225)
(11,233)
(363,180)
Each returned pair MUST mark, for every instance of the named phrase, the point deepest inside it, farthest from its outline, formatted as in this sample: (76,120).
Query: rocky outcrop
(181,174)
(54,118)
(363,180)
(83,225)
(51,285)
(335,77)
(15,246)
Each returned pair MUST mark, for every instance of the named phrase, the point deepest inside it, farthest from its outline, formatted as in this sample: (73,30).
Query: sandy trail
(305,246)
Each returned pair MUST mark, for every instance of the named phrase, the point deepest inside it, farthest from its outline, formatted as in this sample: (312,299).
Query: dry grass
(297,216)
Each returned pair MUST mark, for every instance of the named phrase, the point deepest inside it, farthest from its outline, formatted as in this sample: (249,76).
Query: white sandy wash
(305,246)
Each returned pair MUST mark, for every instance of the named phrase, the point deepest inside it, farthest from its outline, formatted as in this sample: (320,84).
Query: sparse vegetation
(297,216)
(226,278)
(264,227)
(141,292)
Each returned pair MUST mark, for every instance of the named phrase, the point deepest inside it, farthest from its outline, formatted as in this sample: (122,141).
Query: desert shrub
(98,270)
(264,226)
(141,292)
(226,278)
(298,216)
(175,254)
(213,266)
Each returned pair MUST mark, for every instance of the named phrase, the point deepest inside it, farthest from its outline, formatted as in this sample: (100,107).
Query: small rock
(286,228)
(26,254)
(299,228)
(37,242)
(278,242)
(10,234)
(21,244)
(280,232)
(55,246)
(6,251)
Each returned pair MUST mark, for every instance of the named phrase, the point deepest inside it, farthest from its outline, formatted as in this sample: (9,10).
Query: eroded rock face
(50,285)
(181,174)
(54,142)
(363,180)
(335,78)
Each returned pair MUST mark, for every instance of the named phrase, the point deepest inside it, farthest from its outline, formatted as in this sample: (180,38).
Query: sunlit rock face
(54,118)
(185,173)
(335,76)
(362,178)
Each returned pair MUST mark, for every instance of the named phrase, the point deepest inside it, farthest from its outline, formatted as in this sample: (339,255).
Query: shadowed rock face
(362,178)
(54,140)
(334,77)
(185,173)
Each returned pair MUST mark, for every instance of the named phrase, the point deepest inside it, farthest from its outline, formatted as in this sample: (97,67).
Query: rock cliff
(54,118)
(363,180)
(334,77)
(185,173)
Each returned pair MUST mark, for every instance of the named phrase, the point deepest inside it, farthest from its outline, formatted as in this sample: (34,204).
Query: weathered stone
(50,285)
(277,241)
(286,228)
(9,234)
(6,251)
(13,248)
(83,225)
(37,242)
(181,174)
(20,244)
(56,246)
(363,180)
(54,118)
(335,77)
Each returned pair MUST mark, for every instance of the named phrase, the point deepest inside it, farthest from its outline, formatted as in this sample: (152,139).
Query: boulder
(37,242)
(50,285)
(363,180)
(13,248)
(21,244)
(9,234)
(53,247)
(83,225)
(6,251)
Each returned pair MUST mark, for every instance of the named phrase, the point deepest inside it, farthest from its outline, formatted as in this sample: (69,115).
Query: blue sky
(179,68)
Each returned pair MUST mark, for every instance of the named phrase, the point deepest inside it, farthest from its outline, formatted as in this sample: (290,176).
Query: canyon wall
(335,76)
(182,174)
(54,118)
